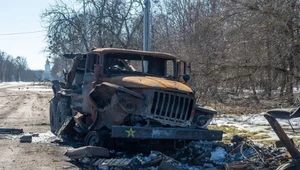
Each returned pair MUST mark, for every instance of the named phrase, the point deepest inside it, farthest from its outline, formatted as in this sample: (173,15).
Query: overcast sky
(23,16)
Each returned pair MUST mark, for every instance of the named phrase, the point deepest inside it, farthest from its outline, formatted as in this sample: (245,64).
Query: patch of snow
(218,156)
(43,137)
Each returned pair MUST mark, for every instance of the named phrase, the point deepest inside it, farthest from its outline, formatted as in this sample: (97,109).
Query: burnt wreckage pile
(242,154)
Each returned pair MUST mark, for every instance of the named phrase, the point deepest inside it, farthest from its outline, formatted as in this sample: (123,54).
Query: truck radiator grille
(172,108)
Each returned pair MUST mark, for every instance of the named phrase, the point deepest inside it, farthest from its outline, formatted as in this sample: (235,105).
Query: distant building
(47,74)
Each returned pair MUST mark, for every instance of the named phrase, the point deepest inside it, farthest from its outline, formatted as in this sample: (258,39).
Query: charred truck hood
(150,82)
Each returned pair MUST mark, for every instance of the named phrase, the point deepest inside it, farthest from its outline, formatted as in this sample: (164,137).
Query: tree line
(235,46)
(16,69)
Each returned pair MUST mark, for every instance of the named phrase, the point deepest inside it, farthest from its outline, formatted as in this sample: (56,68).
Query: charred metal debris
(13,131)
(16,133)
(242,154)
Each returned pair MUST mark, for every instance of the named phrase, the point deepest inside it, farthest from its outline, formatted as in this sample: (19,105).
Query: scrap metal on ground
(287,114)
(87,151)
(243,154)
(13,131)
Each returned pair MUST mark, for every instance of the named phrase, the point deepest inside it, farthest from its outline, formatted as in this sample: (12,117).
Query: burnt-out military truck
(111,95)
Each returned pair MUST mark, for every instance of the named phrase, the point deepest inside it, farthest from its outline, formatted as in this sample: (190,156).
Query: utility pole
(146,25)
(84,19)
(84,26)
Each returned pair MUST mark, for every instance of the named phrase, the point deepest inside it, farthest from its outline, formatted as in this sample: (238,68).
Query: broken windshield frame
(135,64)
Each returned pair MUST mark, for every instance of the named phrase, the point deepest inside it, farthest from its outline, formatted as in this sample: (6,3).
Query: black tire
(52,115)
(92,139)
(63,110)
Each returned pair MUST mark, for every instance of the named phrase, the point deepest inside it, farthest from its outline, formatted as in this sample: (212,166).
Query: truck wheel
(92,139)
(63,110)
(52,115)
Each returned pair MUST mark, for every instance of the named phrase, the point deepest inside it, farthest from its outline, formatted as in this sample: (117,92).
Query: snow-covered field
(258,122)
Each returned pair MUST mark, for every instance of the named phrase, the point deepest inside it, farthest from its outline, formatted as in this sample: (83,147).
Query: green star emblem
(130,132)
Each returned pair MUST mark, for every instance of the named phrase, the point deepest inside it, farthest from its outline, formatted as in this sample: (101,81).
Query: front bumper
(165,133)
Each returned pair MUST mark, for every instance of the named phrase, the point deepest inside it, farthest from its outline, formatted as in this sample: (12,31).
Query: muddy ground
(26,106)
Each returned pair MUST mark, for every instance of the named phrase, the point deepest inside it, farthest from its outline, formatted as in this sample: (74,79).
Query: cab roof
(138,52)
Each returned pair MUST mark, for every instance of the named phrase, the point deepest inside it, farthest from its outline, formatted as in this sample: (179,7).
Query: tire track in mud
(24,106)
(17,106)
(40,108)
(12,103)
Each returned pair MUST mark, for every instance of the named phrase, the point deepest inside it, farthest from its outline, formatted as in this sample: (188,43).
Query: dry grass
(229,131)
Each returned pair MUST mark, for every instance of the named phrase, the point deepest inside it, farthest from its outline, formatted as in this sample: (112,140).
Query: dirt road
(26,106)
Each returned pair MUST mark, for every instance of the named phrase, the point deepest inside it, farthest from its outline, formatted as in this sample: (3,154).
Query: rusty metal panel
(87,151)
(165,133)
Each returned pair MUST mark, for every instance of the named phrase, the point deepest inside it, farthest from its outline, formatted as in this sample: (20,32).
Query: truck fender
(199,108)
(203,116)
(101,95)
(105,91)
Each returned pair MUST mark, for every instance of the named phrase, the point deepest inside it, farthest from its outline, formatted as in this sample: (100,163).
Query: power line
(19,37)
(18,33)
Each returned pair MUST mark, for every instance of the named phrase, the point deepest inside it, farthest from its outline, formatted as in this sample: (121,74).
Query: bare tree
(13,69)
(234,46)
(21,66)
(105,23)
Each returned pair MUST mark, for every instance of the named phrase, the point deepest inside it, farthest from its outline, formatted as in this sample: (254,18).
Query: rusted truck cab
(128,94)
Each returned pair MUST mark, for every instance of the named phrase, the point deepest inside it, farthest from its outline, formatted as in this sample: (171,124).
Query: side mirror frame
(183,73)
(189,66)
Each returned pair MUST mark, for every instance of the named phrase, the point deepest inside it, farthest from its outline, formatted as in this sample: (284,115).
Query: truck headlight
(130,107)
(126,105)
(202,120)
